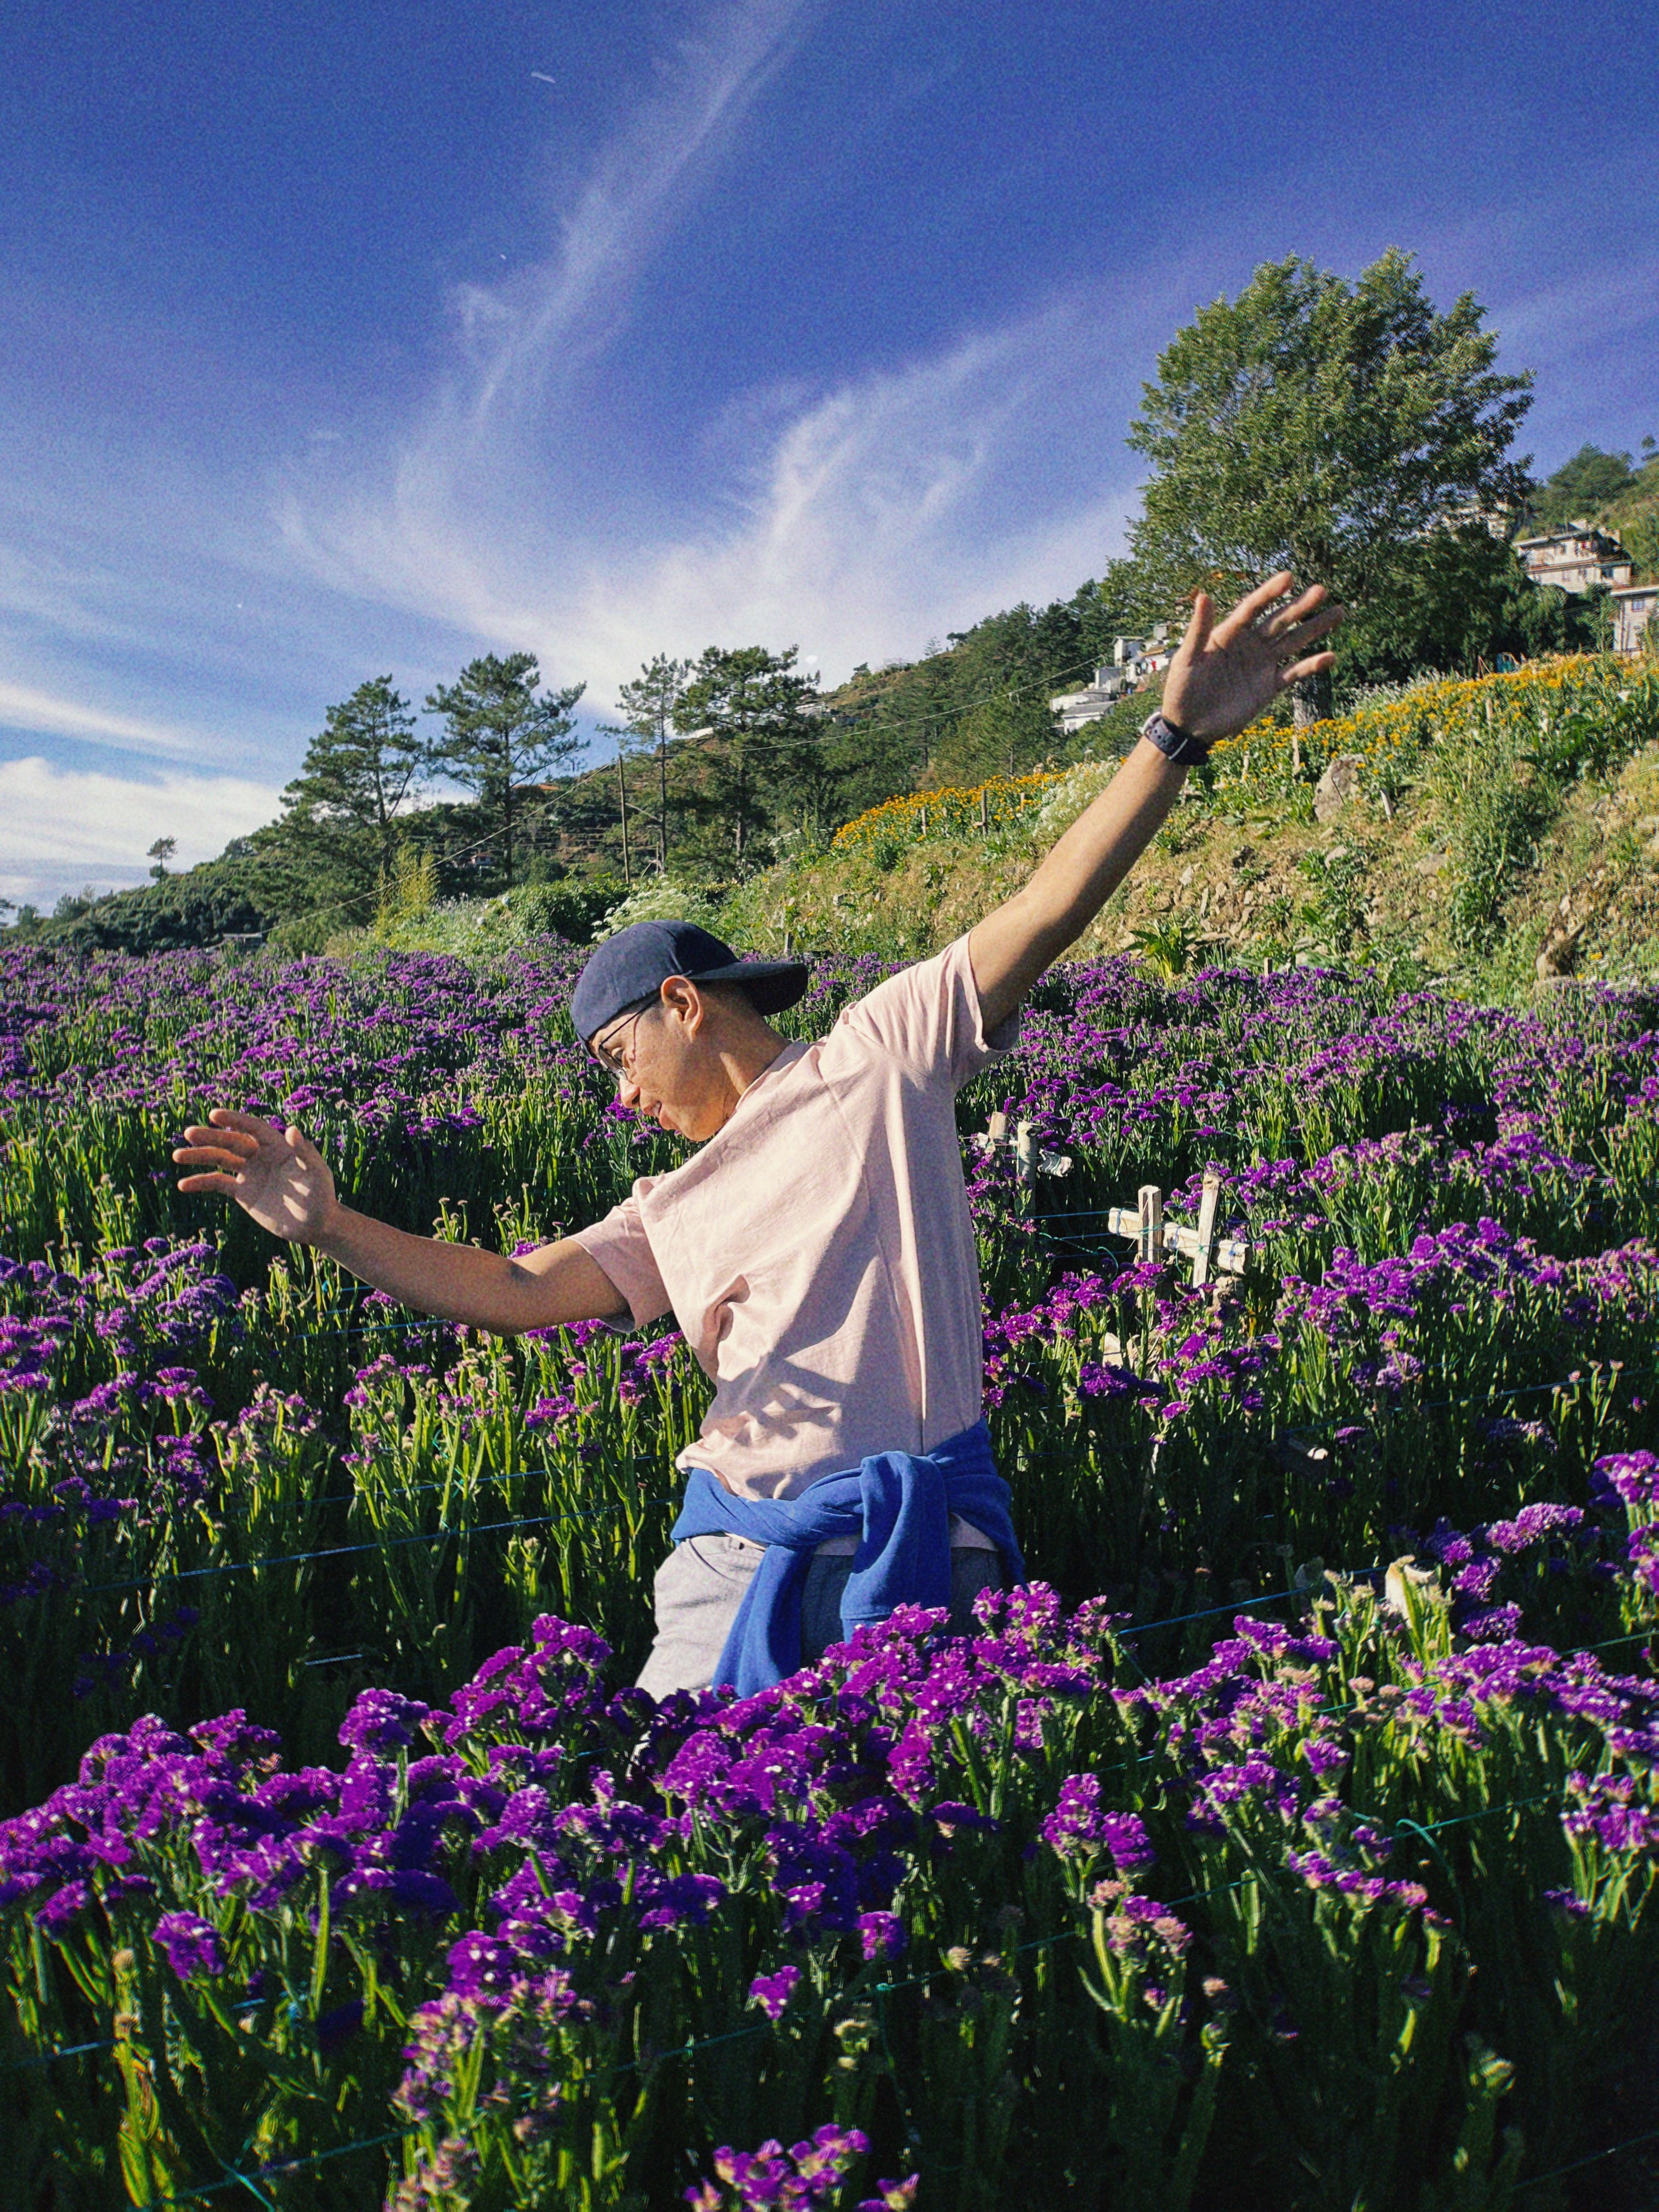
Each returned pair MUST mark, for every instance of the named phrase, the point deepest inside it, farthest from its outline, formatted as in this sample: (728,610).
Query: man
(818,1251)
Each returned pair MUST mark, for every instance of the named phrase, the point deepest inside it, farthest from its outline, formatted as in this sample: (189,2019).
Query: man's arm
(1222,676)
(284,1182)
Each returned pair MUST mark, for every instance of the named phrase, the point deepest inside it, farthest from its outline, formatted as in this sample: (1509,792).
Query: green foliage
(410,920)
(1460,603)
(408,891)
(647,704)
(1584,485)
(1168,949)
(573,910)
(1640,537)
(226,897)
(502,734)
(1504,814)
(339,821)
(660,898)
(752,750)
(1331,912)
(954,714)
(1006,734)
(1324,428)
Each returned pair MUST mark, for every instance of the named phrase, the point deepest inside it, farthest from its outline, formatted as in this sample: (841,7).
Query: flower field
(957,810)
(1288,1842)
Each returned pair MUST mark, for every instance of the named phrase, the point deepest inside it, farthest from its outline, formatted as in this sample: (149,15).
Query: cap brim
(771,984)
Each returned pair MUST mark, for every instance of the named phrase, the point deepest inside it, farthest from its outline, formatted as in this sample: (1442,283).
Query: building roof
(1569,530)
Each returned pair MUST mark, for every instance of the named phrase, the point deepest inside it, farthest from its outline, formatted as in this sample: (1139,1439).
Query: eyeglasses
(616,1061)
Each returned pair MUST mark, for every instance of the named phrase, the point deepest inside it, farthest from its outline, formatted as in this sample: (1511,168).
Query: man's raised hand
(1223,673)
(278,1177)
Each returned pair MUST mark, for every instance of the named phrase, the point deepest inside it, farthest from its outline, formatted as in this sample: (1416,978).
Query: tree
(1007,733)
(359,772)
(503,734)
(747,710)
(161,852)
(648,704)
(1641,542)
(1325,429)
(1583,486)
(1468,600)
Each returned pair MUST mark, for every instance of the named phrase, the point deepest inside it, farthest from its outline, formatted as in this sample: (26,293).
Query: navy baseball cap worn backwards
(635,963)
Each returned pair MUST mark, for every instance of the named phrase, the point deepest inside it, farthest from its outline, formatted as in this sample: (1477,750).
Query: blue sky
(336,341)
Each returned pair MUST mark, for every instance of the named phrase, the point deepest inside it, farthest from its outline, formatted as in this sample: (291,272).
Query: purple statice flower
(1615,1810)
(480,1967)
(1476,1581)
(1081,1825)
(1531,1525)
(193,1945)
(1254,1780)
(1570,1906)
(772,1992)
(1141,1930)
(1643,1557)
(882,1935)
(62,1909)
(773,2179)
(1630,1478)
(677,1900)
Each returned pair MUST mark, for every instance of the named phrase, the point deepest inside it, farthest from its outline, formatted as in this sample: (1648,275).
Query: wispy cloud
(884,510)
(42,715)
(66,828)
(434,530)
(861,517)
(569,307)
(895,505)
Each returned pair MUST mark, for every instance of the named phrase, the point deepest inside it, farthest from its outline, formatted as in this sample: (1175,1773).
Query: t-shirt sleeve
(928,1018)
(620,1247)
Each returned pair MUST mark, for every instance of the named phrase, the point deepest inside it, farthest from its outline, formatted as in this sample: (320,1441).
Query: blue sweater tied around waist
(898,1505)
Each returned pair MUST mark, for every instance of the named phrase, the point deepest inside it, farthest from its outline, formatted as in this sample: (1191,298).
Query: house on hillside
(1134,659)
(1633,611)
(1469,514)
(1575,559)
(1075,709)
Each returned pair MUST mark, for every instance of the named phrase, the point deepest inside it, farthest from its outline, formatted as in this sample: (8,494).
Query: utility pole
(622,795)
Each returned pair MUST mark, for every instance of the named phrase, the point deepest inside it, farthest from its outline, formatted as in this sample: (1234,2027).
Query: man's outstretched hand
(1223,673)
(280,1178)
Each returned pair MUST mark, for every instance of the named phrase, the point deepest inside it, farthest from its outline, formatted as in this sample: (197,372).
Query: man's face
(668,1067)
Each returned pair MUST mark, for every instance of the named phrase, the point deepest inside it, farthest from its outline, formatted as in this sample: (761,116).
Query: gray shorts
(700,1585)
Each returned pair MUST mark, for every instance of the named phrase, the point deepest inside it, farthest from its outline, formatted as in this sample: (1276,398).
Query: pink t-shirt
(818,1252)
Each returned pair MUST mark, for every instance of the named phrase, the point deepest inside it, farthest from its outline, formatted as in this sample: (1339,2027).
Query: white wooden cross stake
(1154,1236)
(1029,1159)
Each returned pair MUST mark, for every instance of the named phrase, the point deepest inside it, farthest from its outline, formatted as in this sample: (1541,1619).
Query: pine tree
(359,771)
(746,708)
(648,704)
(502,735)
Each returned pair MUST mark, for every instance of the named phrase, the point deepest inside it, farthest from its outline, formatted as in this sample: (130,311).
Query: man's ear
(681,996)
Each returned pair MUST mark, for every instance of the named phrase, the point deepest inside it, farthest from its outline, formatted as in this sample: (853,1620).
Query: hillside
(1608,489)
(1488,822)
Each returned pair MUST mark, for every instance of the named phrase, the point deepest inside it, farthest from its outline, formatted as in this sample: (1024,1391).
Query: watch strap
(1175,745)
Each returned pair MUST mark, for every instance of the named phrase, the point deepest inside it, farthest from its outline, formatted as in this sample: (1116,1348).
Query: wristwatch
(1177,745)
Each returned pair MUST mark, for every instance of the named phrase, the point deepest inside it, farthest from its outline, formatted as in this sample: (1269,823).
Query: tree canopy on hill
(1332,429)
(1585,485)
(231,896)
(502,734)
(1613,490)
